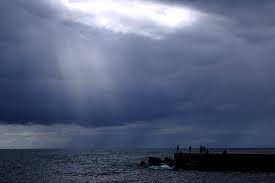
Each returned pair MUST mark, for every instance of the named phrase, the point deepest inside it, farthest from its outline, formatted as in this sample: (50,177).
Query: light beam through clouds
(84,71)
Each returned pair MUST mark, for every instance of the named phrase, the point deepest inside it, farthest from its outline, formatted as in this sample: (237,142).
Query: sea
(110,165)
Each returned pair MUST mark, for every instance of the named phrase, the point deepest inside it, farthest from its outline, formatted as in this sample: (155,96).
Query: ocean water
(58,166)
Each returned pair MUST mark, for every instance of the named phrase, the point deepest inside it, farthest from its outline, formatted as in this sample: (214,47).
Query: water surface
(57,166)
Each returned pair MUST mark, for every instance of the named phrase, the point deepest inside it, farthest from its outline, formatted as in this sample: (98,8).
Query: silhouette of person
(178,148)
(190,149)
(200,149)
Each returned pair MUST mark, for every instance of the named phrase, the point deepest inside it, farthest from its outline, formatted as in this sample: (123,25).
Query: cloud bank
(180,63)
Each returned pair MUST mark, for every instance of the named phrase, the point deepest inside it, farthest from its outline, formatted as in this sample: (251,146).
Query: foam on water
(162,167)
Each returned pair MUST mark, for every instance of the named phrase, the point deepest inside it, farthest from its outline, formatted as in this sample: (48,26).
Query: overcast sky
(102,73)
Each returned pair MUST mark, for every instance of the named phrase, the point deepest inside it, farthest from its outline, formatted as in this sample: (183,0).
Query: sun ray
(139,17)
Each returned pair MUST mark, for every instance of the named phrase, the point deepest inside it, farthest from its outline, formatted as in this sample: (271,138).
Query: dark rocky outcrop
(169,161)
(154,161)
(142,163)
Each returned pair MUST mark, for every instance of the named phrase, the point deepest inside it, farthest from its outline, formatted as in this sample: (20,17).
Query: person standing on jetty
(178,148)
(190,149)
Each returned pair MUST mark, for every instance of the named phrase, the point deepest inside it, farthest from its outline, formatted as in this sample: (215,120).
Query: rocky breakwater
(206,161)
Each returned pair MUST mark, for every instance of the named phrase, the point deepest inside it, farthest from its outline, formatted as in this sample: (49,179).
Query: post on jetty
(190,149)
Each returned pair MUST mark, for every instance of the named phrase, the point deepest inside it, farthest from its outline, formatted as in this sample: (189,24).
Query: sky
(105,74)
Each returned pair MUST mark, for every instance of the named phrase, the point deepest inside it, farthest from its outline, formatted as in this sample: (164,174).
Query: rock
(169,161)
(154,161)
(142,163)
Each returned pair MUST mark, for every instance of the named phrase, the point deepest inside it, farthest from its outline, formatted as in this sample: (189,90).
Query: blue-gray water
(107,166)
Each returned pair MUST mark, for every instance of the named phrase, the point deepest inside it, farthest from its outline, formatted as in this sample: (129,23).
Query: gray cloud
(149,134)
(216,73)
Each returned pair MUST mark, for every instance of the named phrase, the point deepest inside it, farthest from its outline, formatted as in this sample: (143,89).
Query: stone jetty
(206,161)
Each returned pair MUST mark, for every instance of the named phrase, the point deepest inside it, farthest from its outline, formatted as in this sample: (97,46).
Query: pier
(207,161)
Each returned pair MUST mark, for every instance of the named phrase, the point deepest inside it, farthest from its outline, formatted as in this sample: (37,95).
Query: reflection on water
(106,166)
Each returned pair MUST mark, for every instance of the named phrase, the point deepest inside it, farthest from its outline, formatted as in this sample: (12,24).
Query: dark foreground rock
(142,163)
(169,161)
(154,161)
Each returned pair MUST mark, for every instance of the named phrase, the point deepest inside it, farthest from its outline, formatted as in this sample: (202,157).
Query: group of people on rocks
(203,149)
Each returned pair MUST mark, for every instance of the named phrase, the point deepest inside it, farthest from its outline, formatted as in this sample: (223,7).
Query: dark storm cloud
(217,73)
